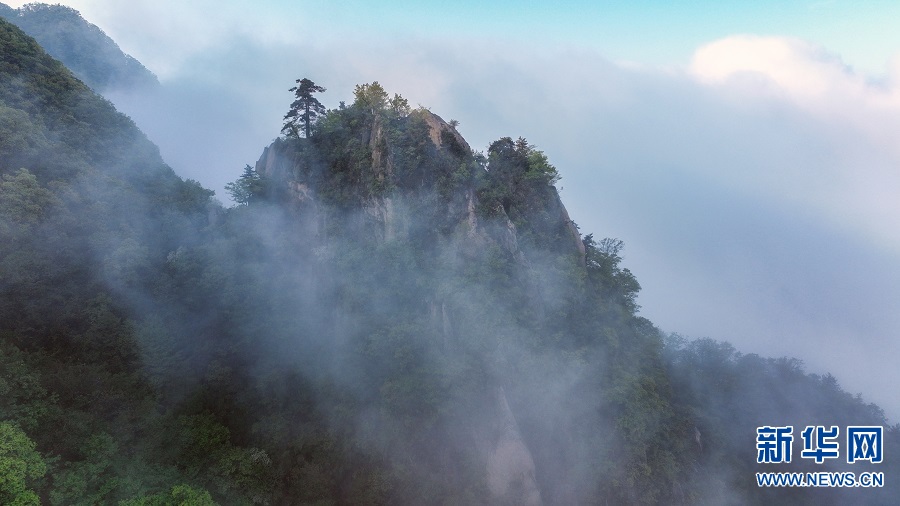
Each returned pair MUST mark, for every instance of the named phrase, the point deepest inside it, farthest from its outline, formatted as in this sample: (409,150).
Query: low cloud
(854,121)
(755,189)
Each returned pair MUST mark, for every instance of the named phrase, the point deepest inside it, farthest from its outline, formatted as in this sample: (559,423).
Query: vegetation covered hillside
(87,210)
(83,47)
(388,317)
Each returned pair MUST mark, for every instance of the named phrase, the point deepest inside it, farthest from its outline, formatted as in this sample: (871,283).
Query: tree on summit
(305,108)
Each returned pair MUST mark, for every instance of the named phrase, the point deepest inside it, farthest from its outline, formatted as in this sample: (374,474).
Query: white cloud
(857,122)
(800,68)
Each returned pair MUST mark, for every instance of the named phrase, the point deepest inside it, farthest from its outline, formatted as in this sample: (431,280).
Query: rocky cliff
(387,205)
(387,213)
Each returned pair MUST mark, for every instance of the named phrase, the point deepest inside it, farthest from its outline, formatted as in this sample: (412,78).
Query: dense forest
(88,52)
(386,317)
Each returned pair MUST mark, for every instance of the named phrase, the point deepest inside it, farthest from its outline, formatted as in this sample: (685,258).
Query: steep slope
(388,318)
(81,46)
(475,260)
(86,208)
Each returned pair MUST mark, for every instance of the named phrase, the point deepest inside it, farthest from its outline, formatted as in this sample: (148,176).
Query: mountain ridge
(387,318)
(83,47)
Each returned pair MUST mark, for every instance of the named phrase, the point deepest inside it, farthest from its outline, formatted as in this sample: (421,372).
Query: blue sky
(657,33)
(862,32)
(748,153)
(645,32)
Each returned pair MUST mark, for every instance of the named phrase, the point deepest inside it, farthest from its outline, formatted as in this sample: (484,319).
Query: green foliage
(247,188)
(206,454)
(305,109)
(81,46)
(19,136)
(83,228)
(68,128)
(22,396)
(23,202)
(398,106)
(372,99)
(519,182)
(91,480)
(19,464)
(363,333)
(611,281)
(180,495)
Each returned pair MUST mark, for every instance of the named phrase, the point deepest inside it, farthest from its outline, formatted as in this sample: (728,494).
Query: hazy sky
(748,153)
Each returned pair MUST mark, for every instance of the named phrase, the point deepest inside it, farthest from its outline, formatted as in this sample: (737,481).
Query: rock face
(439,130)
(509,469)
(276,165)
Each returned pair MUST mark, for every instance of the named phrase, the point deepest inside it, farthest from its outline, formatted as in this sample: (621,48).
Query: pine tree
(305,108)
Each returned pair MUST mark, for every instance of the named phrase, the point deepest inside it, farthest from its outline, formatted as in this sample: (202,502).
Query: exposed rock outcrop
(387,213)
(276,166)
(391,224)
(510,467)
(572,229)
(441,133)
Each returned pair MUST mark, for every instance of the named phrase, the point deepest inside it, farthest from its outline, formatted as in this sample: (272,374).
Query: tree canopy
(247,188)
(305,108)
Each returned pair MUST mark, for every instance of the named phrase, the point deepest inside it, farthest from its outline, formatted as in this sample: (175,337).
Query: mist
(385,315)
(753,210)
